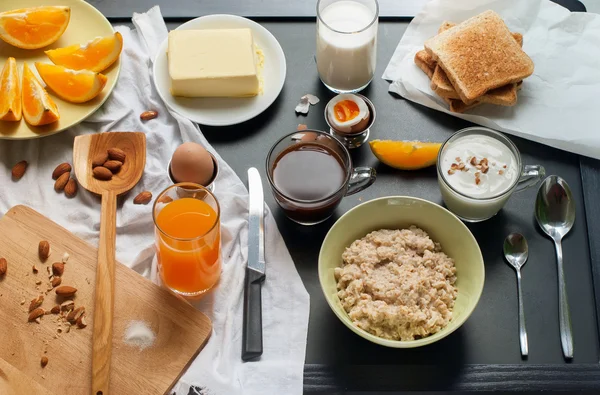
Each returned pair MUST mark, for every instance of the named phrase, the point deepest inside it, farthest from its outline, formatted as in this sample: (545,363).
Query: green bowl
(397,212)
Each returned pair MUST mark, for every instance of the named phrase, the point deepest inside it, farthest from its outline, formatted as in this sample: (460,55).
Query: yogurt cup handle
(361,178)
(531,175)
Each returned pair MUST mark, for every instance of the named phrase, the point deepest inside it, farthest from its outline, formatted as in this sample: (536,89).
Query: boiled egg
(191,162)
(348,113)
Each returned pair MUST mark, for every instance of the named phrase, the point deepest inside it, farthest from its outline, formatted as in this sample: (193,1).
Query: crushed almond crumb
(500,172)
(450,171)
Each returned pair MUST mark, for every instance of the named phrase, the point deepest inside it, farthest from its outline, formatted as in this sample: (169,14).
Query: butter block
(212,63)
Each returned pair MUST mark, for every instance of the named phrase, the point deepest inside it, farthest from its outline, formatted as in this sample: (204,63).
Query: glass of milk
(347,43)
(478,170)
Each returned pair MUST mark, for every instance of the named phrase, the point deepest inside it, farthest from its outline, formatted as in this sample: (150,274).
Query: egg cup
(352,140)
(211,183)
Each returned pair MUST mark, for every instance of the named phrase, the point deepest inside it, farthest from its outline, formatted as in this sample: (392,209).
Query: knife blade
(252,342)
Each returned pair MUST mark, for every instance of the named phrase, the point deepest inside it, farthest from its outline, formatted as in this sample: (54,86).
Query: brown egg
(191,162)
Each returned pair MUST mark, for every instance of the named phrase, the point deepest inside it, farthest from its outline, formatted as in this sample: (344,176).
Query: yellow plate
(86,23)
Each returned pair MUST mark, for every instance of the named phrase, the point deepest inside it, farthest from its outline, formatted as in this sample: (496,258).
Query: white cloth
(218,369)
(557,105)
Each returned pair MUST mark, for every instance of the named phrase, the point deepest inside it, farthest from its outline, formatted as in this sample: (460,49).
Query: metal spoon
(555,214)
(516,253)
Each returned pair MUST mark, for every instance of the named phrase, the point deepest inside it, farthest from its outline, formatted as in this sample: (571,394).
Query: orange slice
(405,155)
(75,86)
(95,55)
(38,107)
(10,92)
(32,28)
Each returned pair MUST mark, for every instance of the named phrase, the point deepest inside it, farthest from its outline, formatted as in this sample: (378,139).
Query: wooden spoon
(85,149)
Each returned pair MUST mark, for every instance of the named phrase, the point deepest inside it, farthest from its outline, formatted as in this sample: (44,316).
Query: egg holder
(353,140)
(211,183)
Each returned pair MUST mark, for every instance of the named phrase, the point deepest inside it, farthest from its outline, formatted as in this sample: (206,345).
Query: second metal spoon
(516,253)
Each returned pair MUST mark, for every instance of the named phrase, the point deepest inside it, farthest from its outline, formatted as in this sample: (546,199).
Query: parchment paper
(559,105)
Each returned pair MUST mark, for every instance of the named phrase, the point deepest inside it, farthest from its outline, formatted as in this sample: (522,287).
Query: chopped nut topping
(477,181)
(458,159)
(454,166)
(504,166)
(451,171)
(473,161)
(500,172)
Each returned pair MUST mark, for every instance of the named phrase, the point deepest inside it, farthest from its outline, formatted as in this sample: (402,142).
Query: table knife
(252,342)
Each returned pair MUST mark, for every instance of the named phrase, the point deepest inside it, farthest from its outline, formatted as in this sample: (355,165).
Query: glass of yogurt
(478,170)
(347,43)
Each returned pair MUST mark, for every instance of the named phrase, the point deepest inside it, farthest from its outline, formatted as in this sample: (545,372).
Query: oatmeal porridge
(397,284)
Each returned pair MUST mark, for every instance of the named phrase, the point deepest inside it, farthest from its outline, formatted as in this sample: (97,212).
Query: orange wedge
(95,55)
(32,28)
(75,86)
(405,155)
(38,107)
(10,92)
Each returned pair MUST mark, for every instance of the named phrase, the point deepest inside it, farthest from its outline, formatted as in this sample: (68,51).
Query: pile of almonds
(64,181)
(106,164)
(64,307)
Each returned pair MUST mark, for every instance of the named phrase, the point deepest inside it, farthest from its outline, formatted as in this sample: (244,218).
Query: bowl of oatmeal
(401,271)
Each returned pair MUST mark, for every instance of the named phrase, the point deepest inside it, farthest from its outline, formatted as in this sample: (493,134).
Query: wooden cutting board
(181,331)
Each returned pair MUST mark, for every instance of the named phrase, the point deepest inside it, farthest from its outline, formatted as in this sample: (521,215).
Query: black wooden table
(483,355)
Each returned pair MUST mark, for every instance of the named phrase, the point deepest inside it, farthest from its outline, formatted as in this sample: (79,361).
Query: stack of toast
(475,62)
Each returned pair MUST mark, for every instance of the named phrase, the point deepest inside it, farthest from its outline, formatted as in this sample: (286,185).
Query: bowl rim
(400,343)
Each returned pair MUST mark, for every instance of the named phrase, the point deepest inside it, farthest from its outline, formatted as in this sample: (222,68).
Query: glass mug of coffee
(478,170)
(310,172)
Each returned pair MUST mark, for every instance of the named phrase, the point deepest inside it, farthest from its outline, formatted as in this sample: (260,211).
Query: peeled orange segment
(75,86)
(95,55)
(10,92)
(38,107)
(32,28)
(405,155)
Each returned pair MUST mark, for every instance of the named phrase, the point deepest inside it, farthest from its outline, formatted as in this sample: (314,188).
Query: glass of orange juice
(188,238)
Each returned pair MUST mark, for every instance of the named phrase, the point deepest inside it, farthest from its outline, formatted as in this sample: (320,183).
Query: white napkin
(218,369)
(558,104)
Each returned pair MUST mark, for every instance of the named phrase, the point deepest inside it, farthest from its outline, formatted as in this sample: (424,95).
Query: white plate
(222,111)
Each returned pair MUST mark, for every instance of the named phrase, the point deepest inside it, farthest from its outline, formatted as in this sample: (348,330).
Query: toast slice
(457,105)
(425,62)
(503,96)
(479,55)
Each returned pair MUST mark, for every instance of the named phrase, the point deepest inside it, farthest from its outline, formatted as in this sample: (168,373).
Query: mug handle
(531,175)
(361,178)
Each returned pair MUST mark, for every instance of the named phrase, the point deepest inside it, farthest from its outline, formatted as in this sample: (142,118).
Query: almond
(35,314)
(81,322)
(66,291)
(71,188)
(58,268)
(143,198)
(3,266)
(117,154)
(60,184)
(44,250)
(67,306)
(113,165)
(35,303)
(60,170)
(44,361)
(56,282)
(19,170)
(102,173)
(55,309)
(148,115)
(74,315)
(99,159)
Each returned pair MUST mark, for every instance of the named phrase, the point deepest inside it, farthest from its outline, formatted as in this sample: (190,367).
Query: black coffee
(308,172)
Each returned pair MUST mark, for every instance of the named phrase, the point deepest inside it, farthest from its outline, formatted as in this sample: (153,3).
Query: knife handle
(252,342)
